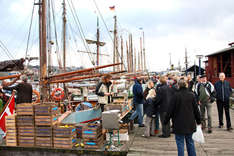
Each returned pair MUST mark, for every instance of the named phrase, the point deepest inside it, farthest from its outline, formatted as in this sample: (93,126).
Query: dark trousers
(224,105)
(165,128)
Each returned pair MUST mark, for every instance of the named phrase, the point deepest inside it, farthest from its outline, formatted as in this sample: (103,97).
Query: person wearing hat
(205,92)
(24,90)
(104,90)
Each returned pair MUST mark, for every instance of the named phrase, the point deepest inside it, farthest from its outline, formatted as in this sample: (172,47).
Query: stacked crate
(92,136)
(64,136)
(11,130)
(25,124)
(46,115)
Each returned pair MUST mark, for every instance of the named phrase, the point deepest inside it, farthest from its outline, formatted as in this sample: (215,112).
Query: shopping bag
(198,135)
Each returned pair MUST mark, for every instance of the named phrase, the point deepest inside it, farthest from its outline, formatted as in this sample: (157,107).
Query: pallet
(79,128)
(26,141)
(25,109)
(11,132)
(64,132)
(46,109)
(49,120)
(26,131)
(43,131)
(44,141)
(25,120)
(11,140)
(64,142)
(92,131)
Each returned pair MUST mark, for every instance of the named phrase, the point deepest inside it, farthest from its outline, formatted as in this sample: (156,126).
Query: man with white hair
(24,90)
(223,93)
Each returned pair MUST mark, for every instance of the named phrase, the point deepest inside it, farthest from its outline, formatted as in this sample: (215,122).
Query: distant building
(221,61)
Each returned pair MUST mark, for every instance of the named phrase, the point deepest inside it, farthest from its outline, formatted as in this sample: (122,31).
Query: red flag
(112,8)
(8,110)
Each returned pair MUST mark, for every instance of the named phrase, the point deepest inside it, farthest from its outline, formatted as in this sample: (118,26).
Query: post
(141,54)
(43,51)
(199,69)
(98,39)
(186,62)
(144,51)
(64,35)
(114,48)
(122,57)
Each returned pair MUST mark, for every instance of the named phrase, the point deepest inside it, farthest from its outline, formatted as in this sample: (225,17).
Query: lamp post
(199,57)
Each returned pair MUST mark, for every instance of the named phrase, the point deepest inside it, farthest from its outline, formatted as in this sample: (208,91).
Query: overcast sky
(170,26)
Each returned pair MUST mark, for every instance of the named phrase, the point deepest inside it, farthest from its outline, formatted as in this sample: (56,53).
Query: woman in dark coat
(185,115)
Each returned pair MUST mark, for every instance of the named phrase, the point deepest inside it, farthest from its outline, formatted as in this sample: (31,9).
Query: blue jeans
(189,144)
(157,122)
(138,112)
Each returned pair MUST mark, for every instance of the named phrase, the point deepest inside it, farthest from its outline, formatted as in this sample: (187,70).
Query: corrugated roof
(221,51)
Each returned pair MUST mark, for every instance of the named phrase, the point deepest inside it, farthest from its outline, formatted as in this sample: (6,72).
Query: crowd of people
(181,104)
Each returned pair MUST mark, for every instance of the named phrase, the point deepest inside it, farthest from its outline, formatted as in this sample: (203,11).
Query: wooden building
(221,61)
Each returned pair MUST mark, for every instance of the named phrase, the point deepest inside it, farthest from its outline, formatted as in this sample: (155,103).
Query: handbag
(198,135)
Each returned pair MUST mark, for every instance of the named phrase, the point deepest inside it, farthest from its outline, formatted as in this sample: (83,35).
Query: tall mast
(122,65)
(115,37)
(135,62)
(139,61)
(49,39)
(141,53)
(144,51)
(98,39)
(186,61)
(128,63)
(43,50)
(64,35)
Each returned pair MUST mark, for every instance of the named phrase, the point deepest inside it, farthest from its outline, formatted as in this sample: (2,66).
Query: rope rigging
(81,32)
(99,12)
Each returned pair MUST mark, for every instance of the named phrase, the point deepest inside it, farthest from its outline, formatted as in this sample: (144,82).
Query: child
(150,112)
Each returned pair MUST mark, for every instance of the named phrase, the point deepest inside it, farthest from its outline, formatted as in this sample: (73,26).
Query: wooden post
(64,35)
(43,51)
(122,57)
(114,47)
(98,39)
(128,63)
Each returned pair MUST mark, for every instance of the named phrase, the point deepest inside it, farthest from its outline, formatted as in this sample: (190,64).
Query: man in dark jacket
(223,92)
(185,115)
(138,101)
(162,99)
(24,91)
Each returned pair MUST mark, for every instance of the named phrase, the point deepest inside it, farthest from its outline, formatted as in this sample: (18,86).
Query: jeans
(138,112)
(206,106)
(224,105)
(157,122)
(189,144)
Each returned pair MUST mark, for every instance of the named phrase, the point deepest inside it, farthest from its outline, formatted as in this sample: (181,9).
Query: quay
(219,143)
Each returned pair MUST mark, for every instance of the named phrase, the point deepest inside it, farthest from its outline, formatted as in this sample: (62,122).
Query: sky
(170,26)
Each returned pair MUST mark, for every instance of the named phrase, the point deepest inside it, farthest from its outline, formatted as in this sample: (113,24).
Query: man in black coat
(162,99)
(223,93)
(185,115)
(24,91)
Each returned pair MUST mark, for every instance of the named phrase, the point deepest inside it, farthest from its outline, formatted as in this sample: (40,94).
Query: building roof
(221,51)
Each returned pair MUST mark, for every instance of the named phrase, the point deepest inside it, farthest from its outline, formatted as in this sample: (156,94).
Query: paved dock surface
(218,143)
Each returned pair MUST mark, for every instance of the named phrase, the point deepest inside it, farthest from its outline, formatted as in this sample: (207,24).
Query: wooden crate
(64,142)
(43,131)
(79,128)
(25,120)
(26,141)
(46,109)
(94,143)
(25,109)
(64,132)
(11,131)
(44,141)
(49,120)
(11,140)
(26,131)
(10,121)
(92,131)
